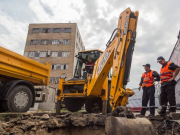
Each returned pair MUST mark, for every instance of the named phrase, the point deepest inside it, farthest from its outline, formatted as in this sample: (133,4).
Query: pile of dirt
(71,124)
(48,124)
(167,125)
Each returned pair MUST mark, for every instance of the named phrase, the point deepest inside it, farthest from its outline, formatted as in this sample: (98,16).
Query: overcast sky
(157,29)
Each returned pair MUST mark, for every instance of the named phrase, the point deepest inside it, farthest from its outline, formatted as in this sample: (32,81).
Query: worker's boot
(151,115)
(140,115)
(162,111)
(172,109)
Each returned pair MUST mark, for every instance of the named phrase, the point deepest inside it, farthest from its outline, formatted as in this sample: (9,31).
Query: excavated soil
(49,124)
(70,124)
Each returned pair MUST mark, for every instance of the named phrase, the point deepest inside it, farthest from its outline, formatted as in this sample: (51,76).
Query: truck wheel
(19,100)
(93,105)
(73,104)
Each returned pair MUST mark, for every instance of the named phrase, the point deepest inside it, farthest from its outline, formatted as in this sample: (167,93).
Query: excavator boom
(118,55)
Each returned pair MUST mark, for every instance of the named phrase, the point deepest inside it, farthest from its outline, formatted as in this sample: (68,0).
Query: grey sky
(158,25)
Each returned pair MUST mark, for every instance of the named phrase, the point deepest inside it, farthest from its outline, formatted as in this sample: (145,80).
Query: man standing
(147,83)
(168,73)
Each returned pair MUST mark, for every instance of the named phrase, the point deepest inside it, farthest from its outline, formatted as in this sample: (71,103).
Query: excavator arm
(118,56)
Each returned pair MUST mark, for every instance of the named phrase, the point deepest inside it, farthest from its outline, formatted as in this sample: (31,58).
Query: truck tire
(93,105)
(73,104)
(19,100)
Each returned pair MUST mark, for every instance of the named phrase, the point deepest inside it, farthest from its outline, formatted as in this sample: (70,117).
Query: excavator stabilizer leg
(124,126)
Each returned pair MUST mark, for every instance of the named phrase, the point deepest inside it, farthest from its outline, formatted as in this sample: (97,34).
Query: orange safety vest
(166,73)
(147,79)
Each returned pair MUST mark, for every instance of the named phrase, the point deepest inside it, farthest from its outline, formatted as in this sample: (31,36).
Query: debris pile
(47,124)
(72,124)
(166,125)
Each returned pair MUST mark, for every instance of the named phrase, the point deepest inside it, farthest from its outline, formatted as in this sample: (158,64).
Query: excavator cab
(82,67)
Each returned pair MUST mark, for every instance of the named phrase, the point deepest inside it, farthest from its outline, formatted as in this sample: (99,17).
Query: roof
(92,50)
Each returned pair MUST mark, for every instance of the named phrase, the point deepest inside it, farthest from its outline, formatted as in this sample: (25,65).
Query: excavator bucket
(125,126)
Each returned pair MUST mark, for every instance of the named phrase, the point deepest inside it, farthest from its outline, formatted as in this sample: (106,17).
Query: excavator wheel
(93,105)
(73,104)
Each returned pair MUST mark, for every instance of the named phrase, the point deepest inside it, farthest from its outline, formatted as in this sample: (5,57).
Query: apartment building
(57,43)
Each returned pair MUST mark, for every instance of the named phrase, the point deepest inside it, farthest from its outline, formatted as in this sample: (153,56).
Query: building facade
(175,57)
(57,43)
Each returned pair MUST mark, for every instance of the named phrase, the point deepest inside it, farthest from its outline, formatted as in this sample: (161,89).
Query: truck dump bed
(13,65)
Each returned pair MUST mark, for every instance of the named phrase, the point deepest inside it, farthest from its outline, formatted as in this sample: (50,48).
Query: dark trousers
(168,95)
(148,94)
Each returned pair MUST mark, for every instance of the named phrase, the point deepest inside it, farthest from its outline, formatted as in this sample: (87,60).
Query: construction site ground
(68,123)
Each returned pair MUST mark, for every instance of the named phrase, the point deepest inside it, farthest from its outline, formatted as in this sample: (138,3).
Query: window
(32,54)
(77,47)
(26,54)
(55,66)
(66,41)
(51,80)
(44,42)
(65,54)
(64,67)
(42,54)
(46,30)
(35,30)
(54,54)
(57,30)
(54,80)
(33,42)
(55,42)
(67,30)
(77,34)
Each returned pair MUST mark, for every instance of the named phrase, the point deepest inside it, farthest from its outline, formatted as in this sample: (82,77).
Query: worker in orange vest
(147,83)
(168,73)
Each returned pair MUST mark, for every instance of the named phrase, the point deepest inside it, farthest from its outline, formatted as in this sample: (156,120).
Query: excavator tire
(73,104)
(93,105)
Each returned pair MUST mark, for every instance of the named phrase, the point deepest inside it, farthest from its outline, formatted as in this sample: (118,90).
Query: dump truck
(19,77)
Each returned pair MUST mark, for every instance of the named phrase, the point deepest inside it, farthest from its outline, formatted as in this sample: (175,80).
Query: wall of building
(60,46)
(78,45)
(175,57)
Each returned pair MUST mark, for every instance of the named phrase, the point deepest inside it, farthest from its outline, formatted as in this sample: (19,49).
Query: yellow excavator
(95,89)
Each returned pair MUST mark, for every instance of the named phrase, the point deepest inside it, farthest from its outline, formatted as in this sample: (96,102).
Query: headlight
(63,76)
